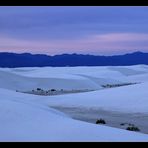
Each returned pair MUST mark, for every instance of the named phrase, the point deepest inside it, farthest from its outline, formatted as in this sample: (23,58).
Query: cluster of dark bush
(116,85)
(43,92)
(39,89)
(133,128)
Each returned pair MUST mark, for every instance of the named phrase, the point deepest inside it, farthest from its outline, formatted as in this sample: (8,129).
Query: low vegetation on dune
(52,91)
(117,85)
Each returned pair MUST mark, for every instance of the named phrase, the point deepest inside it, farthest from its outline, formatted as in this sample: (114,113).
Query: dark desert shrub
(53,90)
(100,121)
(133,128)
(38,89)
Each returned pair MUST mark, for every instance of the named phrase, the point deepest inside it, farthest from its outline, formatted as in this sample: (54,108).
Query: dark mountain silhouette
(40,60)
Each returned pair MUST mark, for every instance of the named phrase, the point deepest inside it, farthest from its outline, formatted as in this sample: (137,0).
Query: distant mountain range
(39,60)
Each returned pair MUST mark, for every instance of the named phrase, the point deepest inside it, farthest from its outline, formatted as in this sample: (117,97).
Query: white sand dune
(132,98)
(17,82)
(22,120)
(127,71)
(26,117)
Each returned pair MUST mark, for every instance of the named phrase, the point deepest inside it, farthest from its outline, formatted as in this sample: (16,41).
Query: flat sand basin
(112,118)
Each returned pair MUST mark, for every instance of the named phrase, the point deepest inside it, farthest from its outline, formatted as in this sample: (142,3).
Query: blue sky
(74,29)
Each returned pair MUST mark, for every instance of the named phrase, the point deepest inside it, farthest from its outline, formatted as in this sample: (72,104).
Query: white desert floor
(28,117)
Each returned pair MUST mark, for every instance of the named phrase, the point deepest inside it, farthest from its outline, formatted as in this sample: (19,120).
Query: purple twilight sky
(97,30)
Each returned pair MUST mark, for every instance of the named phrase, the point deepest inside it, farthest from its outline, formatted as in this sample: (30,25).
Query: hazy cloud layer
(92,30)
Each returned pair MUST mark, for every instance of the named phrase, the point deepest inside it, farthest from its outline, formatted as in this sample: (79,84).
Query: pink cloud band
(94,44)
